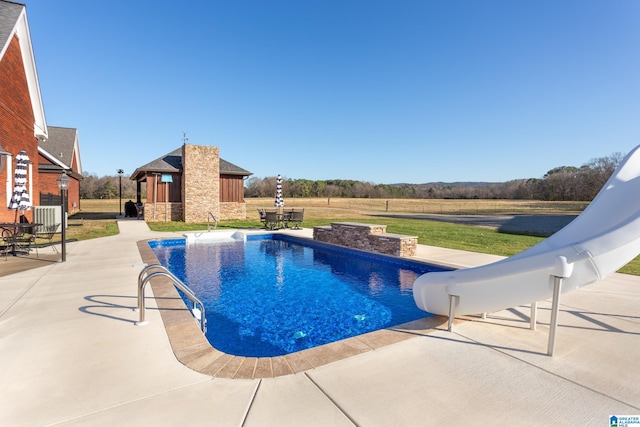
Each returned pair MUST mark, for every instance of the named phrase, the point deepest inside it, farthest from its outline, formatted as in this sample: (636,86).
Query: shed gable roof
(172,163)
(228,168)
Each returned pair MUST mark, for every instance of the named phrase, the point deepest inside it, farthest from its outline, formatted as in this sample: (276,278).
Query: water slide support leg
(553,325)
(453,300)
(534,315)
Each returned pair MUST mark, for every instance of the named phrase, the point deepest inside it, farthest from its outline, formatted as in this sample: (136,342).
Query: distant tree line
(564,183)
(106,187)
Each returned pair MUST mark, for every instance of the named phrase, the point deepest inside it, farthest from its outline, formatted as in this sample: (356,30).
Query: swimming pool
(275,294)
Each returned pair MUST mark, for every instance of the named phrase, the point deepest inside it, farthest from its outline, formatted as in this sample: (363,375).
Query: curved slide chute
(601,240)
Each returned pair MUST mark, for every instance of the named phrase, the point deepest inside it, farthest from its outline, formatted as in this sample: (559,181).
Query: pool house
(191,184)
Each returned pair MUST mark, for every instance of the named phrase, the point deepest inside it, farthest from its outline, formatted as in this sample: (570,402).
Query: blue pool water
(274,294)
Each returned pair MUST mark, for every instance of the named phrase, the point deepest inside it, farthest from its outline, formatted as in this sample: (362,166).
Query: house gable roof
(172,163)
(62,147)
(9,14)
(13,22)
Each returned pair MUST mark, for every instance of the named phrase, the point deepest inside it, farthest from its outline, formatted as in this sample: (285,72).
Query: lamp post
(120,172)
(63,185)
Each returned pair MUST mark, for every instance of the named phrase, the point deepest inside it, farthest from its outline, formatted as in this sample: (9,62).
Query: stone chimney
(200,182)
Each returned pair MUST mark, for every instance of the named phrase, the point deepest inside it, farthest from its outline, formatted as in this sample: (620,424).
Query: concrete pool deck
(71,355)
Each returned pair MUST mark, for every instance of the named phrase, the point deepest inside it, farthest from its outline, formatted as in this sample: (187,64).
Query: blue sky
(381,91)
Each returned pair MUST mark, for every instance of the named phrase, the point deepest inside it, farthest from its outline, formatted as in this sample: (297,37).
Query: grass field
(433,206)
(97,219)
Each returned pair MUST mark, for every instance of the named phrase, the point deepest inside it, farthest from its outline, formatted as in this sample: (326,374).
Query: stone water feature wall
(367,237)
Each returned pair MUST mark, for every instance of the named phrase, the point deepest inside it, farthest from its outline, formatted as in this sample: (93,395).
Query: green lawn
(434,233)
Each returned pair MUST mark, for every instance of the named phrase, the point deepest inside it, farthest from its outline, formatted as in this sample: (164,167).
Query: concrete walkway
(71,355)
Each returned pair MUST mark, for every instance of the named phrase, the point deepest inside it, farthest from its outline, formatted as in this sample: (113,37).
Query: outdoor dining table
(284,218)
(274,220)
(12,231)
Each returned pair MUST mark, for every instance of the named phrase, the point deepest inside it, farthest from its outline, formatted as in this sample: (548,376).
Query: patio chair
(296,218)
(271,220)
(5,243)
(285,217)
(25,225)
(46,232)
(262,215)
(22,240)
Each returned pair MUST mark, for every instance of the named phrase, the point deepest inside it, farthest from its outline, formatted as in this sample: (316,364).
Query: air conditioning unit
(47,215)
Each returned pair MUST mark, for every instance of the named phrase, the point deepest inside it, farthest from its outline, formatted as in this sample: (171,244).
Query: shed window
(231,188)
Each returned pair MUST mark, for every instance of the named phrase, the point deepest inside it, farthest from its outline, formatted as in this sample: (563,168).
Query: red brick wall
(74,188)
(16,123)
(73,195)
(49,184)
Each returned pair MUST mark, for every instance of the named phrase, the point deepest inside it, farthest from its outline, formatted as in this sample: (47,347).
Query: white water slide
(604,238)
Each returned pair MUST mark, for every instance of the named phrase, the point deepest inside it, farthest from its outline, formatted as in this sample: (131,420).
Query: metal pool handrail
(145,277)
(215,221)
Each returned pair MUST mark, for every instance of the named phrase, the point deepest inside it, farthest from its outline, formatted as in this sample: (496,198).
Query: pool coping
(193,350)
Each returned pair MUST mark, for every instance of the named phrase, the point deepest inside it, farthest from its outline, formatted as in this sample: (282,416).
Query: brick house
(22,120)
(190,183)
(60,152)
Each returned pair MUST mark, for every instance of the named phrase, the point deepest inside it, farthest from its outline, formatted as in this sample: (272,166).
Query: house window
(3,160)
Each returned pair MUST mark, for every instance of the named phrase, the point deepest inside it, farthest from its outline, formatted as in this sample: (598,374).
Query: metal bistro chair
(261,212)
(5,243)
(296,218)
(22,240)
(46,232)
(285,217)
(271,220)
